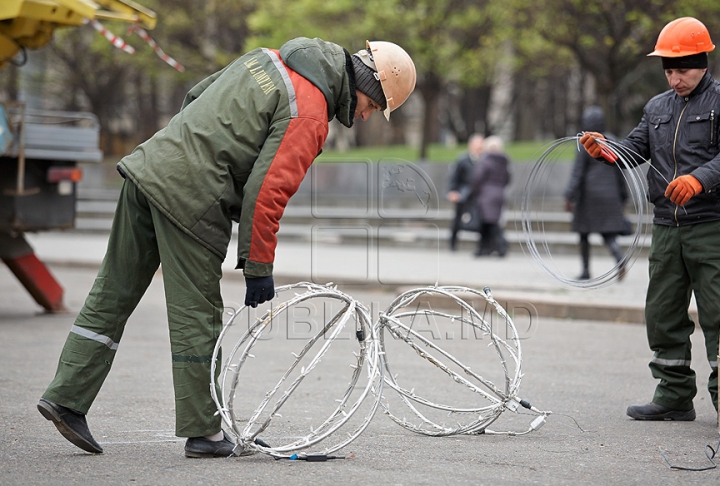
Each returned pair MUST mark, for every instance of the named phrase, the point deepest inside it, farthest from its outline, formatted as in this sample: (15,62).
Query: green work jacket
(242,143)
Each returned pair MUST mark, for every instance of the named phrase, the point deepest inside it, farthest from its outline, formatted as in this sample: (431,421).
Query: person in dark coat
(596,195)
(491,175)
(461,184)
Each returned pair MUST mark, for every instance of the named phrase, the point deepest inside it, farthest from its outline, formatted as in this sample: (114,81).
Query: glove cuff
(696,185)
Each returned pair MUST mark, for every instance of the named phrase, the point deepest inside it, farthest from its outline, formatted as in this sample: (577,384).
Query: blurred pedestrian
(237,151)
(460,190)
(596,195)
(679,133)
(491,176)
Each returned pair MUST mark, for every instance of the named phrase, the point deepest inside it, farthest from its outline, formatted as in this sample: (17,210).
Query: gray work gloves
(259,290)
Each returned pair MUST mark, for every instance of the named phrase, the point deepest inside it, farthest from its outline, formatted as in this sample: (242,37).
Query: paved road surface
(586,372)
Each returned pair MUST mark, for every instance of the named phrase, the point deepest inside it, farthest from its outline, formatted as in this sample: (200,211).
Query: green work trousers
(141,240)
(683,260)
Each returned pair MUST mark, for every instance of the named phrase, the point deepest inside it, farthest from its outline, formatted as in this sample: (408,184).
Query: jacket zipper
(712,127)
(677,128)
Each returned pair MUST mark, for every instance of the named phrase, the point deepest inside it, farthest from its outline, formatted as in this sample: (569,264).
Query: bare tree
(606,37)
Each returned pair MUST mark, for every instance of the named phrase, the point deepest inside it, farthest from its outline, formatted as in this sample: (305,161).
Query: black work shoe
(202,447)
(71,424)
(653,411)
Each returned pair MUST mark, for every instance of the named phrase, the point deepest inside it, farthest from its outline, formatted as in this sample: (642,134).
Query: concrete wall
(392,184)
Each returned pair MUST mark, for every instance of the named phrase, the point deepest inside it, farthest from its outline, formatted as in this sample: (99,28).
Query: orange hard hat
(682,37)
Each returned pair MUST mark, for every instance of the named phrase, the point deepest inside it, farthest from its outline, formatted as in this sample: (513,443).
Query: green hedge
(518,152)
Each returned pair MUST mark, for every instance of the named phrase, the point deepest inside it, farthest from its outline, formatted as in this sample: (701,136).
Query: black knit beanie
(366,83)
(695,61)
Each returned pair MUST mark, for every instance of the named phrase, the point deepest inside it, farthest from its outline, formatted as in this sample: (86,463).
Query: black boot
(584,256)
(614,247)
(71,424)
(503,245)
(202,447)
(488,243)
(653,411)
(453,242)
(616,252)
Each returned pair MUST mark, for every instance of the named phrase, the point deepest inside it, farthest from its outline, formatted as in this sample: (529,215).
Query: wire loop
(398,321)
(495,396)
(535,197)
(260,419)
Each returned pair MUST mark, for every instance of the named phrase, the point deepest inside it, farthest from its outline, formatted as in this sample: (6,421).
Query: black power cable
(709,453)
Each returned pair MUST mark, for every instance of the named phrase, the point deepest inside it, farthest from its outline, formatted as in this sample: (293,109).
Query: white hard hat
(395,71)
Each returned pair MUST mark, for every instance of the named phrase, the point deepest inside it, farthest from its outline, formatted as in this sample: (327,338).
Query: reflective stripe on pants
(141,240)
(683,260)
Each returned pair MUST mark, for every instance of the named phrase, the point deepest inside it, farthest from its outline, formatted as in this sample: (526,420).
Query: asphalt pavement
(586,369)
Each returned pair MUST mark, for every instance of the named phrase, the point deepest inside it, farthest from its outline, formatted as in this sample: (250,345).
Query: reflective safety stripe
(671,362)
(95,337)
(286,79)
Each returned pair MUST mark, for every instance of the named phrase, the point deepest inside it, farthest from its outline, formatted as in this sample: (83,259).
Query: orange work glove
(682,189)
(589,141)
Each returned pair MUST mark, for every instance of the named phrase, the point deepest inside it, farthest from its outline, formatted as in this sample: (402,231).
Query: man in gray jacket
(678,133)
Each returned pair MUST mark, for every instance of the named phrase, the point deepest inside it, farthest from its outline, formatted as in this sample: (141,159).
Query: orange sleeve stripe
(301,143)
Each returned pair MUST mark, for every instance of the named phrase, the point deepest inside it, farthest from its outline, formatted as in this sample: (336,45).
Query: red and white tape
(121,44)
(114,40)
(146,37)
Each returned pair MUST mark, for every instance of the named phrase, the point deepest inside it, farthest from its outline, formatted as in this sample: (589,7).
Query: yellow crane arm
(31,23)
(127,11)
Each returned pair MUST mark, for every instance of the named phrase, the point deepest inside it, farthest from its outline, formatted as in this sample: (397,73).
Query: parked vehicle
(40,150)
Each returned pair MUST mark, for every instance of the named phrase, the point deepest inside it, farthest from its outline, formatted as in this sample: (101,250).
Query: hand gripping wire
(537,201)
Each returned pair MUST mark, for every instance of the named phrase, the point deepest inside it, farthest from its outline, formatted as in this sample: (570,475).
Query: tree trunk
(524,111)
(148,106)
(474,105)
(430,91)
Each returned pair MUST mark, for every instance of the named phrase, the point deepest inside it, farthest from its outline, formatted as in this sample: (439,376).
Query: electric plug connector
(538,422)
